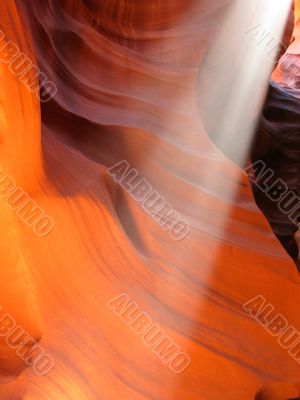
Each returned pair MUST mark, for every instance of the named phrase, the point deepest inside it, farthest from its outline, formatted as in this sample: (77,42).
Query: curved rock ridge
(20,163)
(126,74)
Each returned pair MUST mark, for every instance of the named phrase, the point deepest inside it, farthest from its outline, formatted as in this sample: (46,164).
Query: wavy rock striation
(126,74)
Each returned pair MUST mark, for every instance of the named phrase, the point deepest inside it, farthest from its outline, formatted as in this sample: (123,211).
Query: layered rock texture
(126,75)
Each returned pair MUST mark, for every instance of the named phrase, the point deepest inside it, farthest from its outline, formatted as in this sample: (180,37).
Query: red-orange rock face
(110,273)
(153,15)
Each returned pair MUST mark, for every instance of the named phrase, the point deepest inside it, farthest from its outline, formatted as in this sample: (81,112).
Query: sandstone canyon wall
(126,73)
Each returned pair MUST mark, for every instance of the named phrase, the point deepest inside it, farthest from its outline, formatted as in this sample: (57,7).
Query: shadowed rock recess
(126,77)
